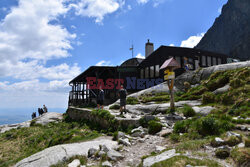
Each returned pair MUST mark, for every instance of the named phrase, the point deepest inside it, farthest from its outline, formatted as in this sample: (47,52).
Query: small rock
(101,153)
(83,166)
(106,164)
(75,163)
(217,142)
(125,142)
(189,165)
(165,132)
(241,145)
(233,134)
(92,152)
(120,135)
(159,149)
(141,140)
(114,155)
(105,148)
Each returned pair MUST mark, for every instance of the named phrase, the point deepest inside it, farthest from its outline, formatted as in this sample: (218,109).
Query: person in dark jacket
(100,98)
(123,96)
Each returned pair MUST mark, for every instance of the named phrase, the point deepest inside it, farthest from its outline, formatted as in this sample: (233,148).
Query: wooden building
(148,68)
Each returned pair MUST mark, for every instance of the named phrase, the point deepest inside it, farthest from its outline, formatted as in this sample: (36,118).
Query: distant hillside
(230,33)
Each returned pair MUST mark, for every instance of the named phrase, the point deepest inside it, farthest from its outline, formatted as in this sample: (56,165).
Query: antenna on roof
(132,48)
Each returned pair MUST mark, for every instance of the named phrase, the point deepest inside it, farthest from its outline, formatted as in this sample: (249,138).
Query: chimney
(149,48)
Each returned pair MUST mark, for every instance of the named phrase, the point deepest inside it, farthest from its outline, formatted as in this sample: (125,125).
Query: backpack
(123,94)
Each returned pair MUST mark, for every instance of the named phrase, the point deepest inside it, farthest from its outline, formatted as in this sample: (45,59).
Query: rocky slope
(230,33)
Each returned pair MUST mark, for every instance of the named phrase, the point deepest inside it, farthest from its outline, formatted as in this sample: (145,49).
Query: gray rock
(120,135)
(217,142)
(159,149)
(241,145)
(92,152)
(165,132)
(106,164)
(43,119)
(56,154)
(203,110)
(75,163)
(101,153)
(125,142)
(173,117)
(114,155)
(158,158)
(105,148)
(233,134)
(222,90)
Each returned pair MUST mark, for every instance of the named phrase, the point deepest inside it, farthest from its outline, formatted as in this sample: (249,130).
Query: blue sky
(44,43)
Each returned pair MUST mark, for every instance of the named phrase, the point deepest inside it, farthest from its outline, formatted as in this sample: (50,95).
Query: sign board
(170,75)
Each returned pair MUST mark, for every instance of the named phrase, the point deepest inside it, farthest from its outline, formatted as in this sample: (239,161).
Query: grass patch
(83,161)
(132,101)
(182,161)
(154,127)
(188,111)
(114,107)
(241,156)
(18,144)
(192,145)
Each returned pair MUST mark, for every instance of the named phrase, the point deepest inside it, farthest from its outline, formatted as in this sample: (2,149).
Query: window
(146,72)
(142,73)
(152,72)
(208,61)
(214,61)
(157,70)
(190,60)
(219,60)
(178,59)
(203,61)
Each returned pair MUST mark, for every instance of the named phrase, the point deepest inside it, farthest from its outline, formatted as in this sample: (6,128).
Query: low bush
(247,142)
(154,127)
(222,153)
(114,107)
(132,101)
(241,156)
(188,111)
(237,82)
(208,98)
(233,140)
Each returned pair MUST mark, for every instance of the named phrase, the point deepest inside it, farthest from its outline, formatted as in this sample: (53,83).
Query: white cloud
(104,63)
(27,41)
(171,44)
(139,55)
(142,1)
(156,3)
(219,10)
(192,41)
(97,8)
(129,7)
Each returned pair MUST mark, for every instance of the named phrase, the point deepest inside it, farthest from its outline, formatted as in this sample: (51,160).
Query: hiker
(100,98)
(122,95)
(33,115)
(40,111)
(186,65)
(45,109)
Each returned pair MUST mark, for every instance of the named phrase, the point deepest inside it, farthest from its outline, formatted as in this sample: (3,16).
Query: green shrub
(154,127)
(182,126)
(247,142)
(188,111)
(175,137)
(222,153)
(241,156)
(114,107)
(208,126)
(132,101)
(237,82)
(227,99)
(115,136)
(233,140)
(217,82)
(208,98)
(144,121)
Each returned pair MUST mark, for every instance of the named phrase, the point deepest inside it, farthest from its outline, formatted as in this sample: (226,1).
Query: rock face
(55,154)
(195,77)
(43,119)
(230,33)
(161,157)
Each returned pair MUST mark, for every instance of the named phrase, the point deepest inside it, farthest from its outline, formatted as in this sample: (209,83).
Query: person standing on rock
(123,96)
(45,109)
(100,98)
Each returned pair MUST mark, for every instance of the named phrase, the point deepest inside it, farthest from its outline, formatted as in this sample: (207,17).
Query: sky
(46,43)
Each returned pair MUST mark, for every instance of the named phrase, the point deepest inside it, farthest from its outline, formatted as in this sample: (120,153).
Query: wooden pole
(171,92)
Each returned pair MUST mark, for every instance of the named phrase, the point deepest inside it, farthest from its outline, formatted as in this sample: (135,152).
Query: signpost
(169,75)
